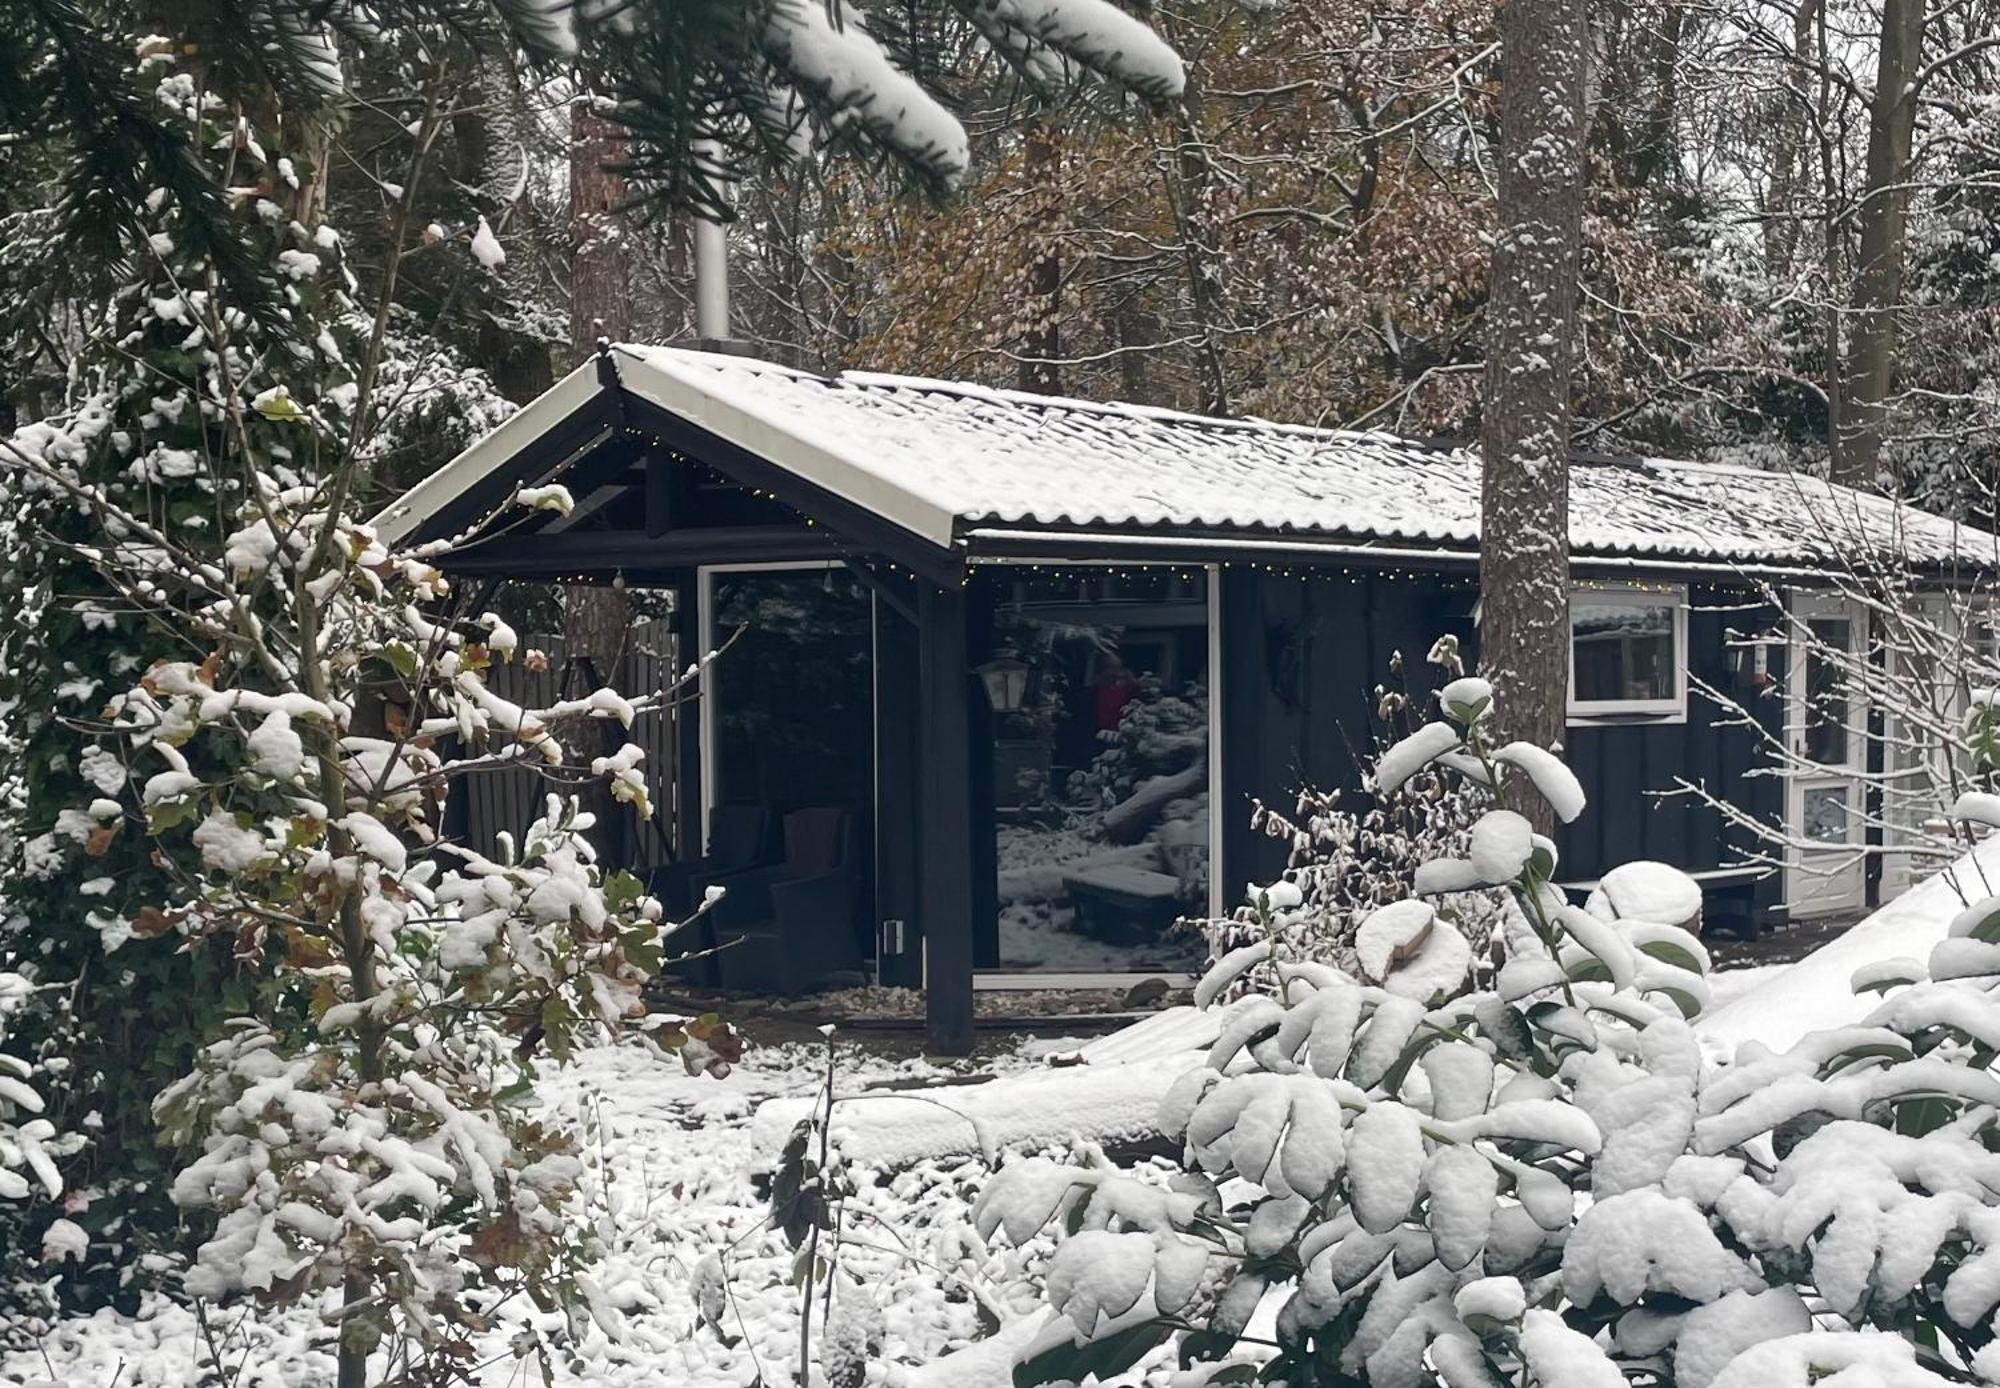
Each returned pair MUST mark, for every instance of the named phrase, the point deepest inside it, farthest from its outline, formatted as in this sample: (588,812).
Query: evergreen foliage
(124,1000)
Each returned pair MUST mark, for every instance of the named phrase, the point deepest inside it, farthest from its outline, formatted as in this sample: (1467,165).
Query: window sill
(1596,718)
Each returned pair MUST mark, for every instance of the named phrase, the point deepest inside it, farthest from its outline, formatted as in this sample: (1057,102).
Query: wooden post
(689,831)
(898,795)
(663,495)
(945,825)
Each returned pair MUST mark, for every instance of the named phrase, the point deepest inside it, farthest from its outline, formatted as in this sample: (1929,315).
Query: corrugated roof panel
(984,454)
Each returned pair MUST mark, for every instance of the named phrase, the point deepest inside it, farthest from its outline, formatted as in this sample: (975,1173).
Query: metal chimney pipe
(711,263)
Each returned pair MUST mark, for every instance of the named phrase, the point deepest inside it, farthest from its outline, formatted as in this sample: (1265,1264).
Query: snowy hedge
(1397,1180)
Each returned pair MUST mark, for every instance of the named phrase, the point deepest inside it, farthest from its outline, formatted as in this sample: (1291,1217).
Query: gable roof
(945,461)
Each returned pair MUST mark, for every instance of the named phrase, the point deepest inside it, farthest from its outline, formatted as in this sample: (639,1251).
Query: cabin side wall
(1625,767)
(1304,656)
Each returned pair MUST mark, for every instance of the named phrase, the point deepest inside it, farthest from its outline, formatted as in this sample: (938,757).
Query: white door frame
(1821,882)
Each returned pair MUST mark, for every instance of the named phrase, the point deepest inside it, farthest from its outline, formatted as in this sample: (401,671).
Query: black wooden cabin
(1012,669)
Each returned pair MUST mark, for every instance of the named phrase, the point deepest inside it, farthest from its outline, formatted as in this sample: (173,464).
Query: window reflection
(1826,696)
(793,694)
(1099,689)
(1826,814)
(1622,648)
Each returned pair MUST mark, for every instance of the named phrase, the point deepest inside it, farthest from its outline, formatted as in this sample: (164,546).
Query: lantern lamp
(1006,680)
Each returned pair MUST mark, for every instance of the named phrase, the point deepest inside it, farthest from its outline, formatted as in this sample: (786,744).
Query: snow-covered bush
(361,1130)
(277,743)
(1542,1182)
(29,1143)
(1344,862)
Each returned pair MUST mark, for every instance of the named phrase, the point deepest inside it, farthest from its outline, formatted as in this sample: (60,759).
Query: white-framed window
(1627,652)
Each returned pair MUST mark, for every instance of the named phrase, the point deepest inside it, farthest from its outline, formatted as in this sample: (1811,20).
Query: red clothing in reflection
(1109,697)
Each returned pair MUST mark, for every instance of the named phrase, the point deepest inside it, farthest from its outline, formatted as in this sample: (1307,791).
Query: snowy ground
(678,1154)
(1817,992)
(1726,985)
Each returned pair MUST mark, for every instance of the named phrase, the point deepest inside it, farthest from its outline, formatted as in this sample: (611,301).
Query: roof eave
(428,498)
(989,539)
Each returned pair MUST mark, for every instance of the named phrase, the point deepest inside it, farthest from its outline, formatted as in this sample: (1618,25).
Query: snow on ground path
(1817,992)
(1726,985)
(1110,1095)
(675,1155)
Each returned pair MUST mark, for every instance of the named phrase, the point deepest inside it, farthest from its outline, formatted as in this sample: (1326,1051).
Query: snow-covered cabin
(1012,669)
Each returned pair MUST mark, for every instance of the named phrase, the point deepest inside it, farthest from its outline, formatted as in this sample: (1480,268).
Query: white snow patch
(486,248)
(1816,993)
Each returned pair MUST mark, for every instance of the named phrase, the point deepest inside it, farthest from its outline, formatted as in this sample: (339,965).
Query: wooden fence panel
(508,801)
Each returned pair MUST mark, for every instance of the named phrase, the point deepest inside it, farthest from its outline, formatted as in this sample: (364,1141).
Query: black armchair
(785,927)
(739,837)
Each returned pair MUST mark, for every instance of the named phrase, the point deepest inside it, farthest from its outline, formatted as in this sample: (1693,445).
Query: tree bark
(600,289)
(1783,217)
(1878,280)
(1201,250)
(1530,323)
(1041,266)
(596,616)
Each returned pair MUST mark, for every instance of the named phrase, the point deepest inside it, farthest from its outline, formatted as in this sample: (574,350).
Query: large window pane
(1623,648)
(1826,693)
(1099,689)
(793,693)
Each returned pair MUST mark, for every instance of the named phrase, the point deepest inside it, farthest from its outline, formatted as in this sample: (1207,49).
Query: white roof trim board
(938,457)
(487,456)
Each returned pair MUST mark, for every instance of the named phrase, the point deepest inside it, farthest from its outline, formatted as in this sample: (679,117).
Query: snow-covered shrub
(120,1003)
(276,740)
(1542,1182)
(1346,862)
(29,1142)
(363,1128)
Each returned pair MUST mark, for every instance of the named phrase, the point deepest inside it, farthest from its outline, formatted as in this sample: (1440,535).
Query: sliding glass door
(789,713)
(1098,683)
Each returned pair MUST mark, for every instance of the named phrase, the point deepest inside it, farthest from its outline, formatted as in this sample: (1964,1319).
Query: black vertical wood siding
(1302,661)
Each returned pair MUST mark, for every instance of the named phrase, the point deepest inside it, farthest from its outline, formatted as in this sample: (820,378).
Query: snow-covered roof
(944,460)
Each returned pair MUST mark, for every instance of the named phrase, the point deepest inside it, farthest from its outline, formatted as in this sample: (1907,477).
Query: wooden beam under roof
(584,554)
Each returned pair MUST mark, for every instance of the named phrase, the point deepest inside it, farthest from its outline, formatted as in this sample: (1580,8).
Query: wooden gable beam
(587,553)
(548,458)
(859,527)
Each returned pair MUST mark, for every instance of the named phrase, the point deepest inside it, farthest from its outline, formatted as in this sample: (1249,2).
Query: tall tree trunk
(600,287)
(1878,277)
(1041,265)
(1782,212)
(596,616)
(1660,155)
(1201,249)
(1530,323)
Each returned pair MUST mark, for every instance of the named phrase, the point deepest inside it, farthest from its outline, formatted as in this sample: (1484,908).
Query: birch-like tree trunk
(1784,207)
(1193,203)
(1866,364)
(1530,319)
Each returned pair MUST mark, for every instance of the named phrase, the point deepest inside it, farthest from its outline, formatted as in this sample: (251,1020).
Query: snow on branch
(845,71)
